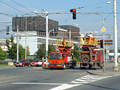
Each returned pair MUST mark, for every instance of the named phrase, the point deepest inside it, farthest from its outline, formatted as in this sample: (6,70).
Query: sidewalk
(108,70)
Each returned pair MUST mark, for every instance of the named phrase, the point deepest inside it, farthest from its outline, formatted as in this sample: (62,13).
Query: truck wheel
(101,66)
(73,64)
(64,66)
(90,66)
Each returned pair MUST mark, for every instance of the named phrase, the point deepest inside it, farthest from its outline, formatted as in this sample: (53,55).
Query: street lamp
(108,2)
(46,14)
(116,69)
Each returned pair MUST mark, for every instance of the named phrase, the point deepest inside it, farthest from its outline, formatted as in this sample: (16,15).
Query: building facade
(3,44)
(32,30)
(33,23)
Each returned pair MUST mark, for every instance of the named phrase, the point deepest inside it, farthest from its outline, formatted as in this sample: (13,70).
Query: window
(55,56)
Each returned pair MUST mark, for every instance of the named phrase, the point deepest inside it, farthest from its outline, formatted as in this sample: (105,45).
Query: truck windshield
(55,56)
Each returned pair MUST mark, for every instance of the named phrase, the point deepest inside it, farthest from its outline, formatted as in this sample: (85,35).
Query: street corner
(104,73)
(94,72)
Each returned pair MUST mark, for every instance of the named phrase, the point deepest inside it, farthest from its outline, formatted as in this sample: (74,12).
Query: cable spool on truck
(91,55)
(63,57)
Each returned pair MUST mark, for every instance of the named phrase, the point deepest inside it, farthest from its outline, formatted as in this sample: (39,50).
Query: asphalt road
(112,83)
(42,79)
(35,78)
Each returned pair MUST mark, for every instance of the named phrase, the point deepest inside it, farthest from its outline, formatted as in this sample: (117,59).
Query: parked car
(34,63)
(40,62)
(22,63)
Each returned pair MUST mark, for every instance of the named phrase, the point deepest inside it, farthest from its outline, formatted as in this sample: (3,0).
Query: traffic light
(101,43)
(7,30)
(74,13)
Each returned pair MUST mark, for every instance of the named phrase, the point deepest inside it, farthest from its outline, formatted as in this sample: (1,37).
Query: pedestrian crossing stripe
(80,81)
(77,82)
(88,79)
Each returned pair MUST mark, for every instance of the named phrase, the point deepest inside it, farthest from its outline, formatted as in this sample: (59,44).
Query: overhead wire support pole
(46,14)
(103,42)
(26,41)
(115,36)
(17,43)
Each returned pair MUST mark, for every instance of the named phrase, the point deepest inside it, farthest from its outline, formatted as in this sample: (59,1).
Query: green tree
(28,52)
(42,51)
(2,54)
(21,52)
(51,48)
(76,53)
(12,49)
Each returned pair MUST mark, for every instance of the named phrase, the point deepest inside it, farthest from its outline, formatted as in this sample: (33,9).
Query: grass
(3,64)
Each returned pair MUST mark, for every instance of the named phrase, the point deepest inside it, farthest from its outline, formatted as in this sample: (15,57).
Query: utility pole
(103,43)
(116,69)
(70,34)
(46,14)
(26,41)
(17,44)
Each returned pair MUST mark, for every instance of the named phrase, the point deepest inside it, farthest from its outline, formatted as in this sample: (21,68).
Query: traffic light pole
(116,69)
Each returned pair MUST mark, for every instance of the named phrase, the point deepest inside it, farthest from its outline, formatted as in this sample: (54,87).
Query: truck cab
(56,60)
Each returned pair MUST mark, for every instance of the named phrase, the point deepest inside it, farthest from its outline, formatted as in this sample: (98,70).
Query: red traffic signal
(73,10)
(74,13)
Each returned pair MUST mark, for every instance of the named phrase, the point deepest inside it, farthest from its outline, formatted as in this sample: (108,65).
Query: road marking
(62,86)
(80,81)
(32,83)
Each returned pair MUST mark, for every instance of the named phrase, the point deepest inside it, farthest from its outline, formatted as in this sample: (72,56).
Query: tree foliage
(28,51)
(42,51)
(2,54)
(21,52)
(76,53)
(51,48)
(12,50)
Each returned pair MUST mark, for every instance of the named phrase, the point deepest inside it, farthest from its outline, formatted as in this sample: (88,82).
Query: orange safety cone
(43,64)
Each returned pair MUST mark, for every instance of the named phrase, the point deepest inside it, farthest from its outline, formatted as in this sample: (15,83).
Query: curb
(94,73)
(103,73)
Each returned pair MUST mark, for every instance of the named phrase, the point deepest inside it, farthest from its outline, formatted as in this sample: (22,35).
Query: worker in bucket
(82,38)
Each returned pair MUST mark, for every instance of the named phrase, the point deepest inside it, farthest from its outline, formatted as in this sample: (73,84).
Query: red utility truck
(63,57)
(91,55)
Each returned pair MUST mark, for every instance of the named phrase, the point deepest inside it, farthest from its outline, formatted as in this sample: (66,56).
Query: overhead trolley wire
(10,6)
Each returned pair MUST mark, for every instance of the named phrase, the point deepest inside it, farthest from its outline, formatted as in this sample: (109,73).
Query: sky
(86,22)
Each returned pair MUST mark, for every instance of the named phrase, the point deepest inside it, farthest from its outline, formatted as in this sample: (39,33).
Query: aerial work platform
(64,43)
(92,41)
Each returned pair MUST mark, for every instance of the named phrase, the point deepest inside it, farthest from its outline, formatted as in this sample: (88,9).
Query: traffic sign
(107,43)
(108,40)
(103,29)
